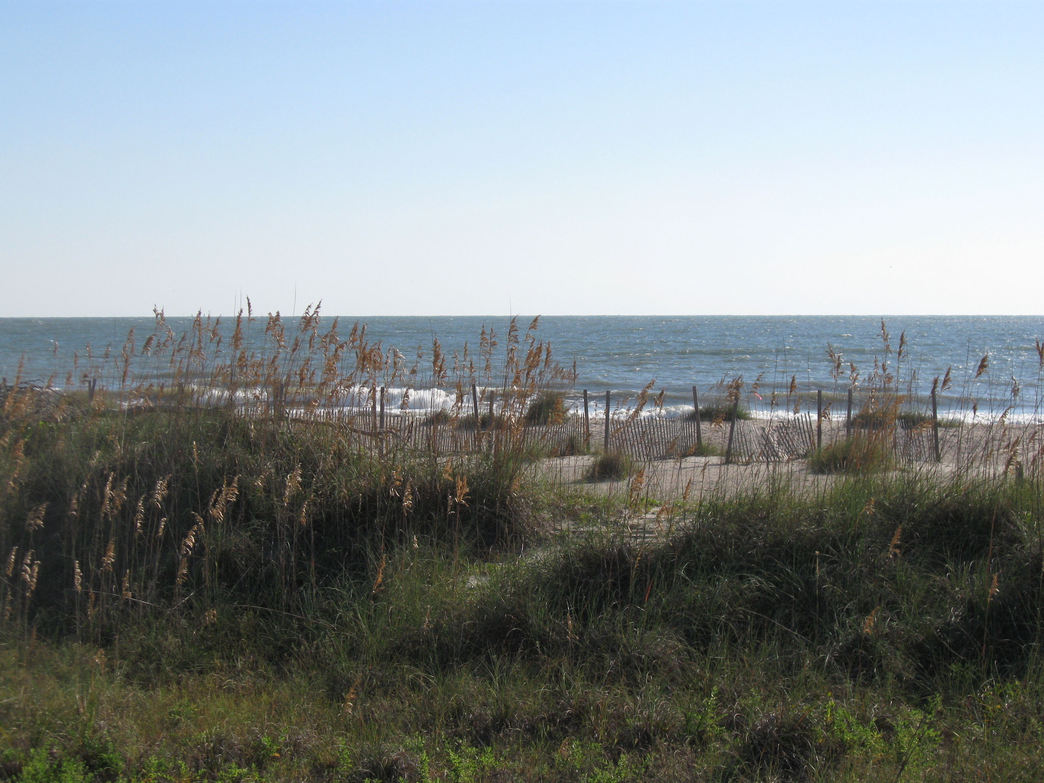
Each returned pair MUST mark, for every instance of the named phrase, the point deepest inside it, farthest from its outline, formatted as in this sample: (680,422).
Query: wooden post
(380,431)
(373,406)
(819,418)
(587,424)
(605,444)
(848,415)
(935,428)
(699,429)
(278,397)
(474,404)
(433,433)
(732,431)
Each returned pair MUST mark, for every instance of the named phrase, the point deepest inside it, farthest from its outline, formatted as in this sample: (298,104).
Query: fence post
(495,431)
(605,444)
(699,429)
(380,431)
(935,428)
(819,418)
(373,406)
(474,404)
(732,431)
(848,414)
(587,424)
(278,397)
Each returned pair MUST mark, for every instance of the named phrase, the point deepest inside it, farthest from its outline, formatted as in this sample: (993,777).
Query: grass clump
(856,454)
(706,449)
(548,407)
(889,417)
(610,466)
(440,417)
(717,413)
(874,419)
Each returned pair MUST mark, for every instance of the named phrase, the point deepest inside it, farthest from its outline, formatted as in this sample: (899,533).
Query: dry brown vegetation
(222,560)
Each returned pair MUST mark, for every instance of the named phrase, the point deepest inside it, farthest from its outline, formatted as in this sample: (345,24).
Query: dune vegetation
(206,576)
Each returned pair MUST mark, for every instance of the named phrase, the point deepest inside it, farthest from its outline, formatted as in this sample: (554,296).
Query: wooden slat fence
(644,438)
(654,437)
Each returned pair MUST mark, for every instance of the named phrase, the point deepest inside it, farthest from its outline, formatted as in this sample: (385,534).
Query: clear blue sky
(525,157)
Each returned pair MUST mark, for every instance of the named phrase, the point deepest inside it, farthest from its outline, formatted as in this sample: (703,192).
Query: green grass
(200,595)
(706,449)
(548,407)
(718,412)
(855,454)
(881,419)
(857,635)
(610,466)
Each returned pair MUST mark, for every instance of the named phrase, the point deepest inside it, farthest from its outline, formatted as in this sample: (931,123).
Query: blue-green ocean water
(624,353)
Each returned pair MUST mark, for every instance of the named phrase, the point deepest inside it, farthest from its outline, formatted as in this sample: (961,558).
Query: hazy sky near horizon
(522,157)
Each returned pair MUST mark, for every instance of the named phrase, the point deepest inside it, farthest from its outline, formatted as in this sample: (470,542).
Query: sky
(521,157)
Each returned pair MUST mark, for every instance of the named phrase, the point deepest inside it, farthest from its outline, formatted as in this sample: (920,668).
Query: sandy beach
(971,450)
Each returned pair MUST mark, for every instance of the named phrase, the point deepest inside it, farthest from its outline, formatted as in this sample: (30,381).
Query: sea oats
(109,558)
(984,364)
(293,484)
(894,549)
(11,560)
(870,623)
(139,516)
(159,491)
(35,520)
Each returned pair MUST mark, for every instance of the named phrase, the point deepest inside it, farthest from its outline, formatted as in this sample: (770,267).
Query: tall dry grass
(251,465)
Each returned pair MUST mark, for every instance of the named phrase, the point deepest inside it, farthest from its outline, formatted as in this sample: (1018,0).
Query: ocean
(771,355)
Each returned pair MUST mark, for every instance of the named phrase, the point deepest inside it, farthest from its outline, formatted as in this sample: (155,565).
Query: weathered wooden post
(474,403)
(699,428)
(605,444)
(819,418)
(935,428)
(380,432)
(373,407)
(492,425)
(278,397)
(587,424)
(732,431)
